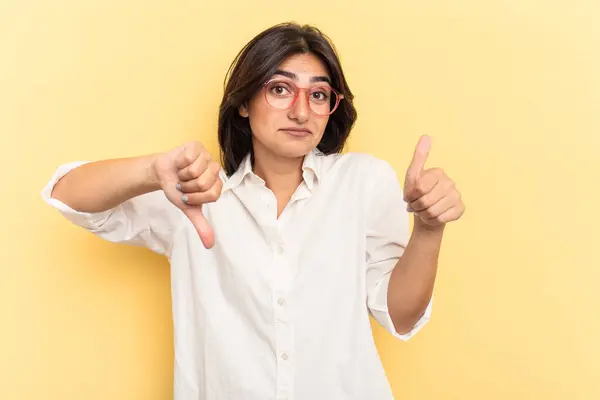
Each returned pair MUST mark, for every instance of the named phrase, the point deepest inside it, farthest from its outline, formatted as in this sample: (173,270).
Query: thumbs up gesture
(189,178)
(430,193)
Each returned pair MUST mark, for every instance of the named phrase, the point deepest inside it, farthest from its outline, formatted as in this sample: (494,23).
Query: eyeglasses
(322,99)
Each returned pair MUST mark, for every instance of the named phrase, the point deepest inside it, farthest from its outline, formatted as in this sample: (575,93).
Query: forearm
(412,280)
(102,185)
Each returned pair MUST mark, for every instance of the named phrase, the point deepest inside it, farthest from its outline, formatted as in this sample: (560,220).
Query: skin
(190,178)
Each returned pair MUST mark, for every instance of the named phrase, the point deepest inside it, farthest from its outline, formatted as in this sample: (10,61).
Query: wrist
(151,179)
(422,228)
(427,238)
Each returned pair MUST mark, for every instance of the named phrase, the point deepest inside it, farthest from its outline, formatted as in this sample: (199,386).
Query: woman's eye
(279,90)
(319,96)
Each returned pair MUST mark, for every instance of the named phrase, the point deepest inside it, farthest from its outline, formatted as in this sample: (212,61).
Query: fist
(189,177)
(430,193)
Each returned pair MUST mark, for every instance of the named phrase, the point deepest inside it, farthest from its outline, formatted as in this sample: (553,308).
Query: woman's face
(295,131)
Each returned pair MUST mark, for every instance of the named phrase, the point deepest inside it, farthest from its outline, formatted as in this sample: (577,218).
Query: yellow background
(509,90)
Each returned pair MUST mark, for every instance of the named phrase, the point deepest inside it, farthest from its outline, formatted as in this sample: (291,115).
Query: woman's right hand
(190,178)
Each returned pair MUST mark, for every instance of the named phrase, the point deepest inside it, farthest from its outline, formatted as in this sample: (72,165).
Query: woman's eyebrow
(293,76)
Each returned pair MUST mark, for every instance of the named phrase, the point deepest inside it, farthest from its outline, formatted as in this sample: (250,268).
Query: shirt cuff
(381,313)
(89,221)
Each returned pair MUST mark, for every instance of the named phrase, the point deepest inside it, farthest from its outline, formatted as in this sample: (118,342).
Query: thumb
(418,161)
(207,235)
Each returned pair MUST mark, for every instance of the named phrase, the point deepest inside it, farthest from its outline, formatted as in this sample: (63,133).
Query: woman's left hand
(430,193)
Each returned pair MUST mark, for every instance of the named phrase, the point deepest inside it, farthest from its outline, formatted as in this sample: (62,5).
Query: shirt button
(281,301)
(279,249)
(284,356)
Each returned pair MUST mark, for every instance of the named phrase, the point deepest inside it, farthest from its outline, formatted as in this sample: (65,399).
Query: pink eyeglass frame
(339,96)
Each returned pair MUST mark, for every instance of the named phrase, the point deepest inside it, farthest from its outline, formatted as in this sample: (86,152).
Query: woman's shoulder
(356,164)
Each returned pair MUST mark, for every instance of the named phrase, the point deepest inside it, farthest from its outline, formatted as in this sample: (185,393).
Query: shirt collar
(311,171)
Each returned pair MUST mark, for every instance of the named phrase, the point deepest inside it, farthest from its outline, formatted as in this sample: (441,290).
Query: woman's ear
(243,110)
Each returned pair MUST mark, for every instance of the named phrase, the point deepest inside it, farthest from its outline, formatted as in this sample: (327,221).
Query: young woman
(281,252)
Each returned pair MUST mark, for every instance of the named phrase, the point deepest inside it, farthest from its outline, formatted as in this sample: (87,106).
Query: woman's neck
(282,175)
(279,173)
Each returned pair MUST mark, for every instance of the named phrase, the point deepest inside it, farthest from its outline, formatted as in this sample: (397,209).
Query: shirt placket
(282,273)
(284,339)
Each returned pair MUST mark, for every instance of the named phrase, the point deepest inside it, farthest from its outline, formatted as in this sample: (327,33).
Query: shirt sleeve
(387,237)
(147,220)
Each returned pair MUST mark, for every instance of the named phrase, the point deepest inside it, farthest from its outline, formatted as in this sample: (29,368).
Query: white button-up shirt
(279,307)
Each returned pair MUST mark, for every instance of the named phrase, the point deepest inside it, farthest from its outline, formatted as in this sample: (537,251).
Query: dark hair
(254,65)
